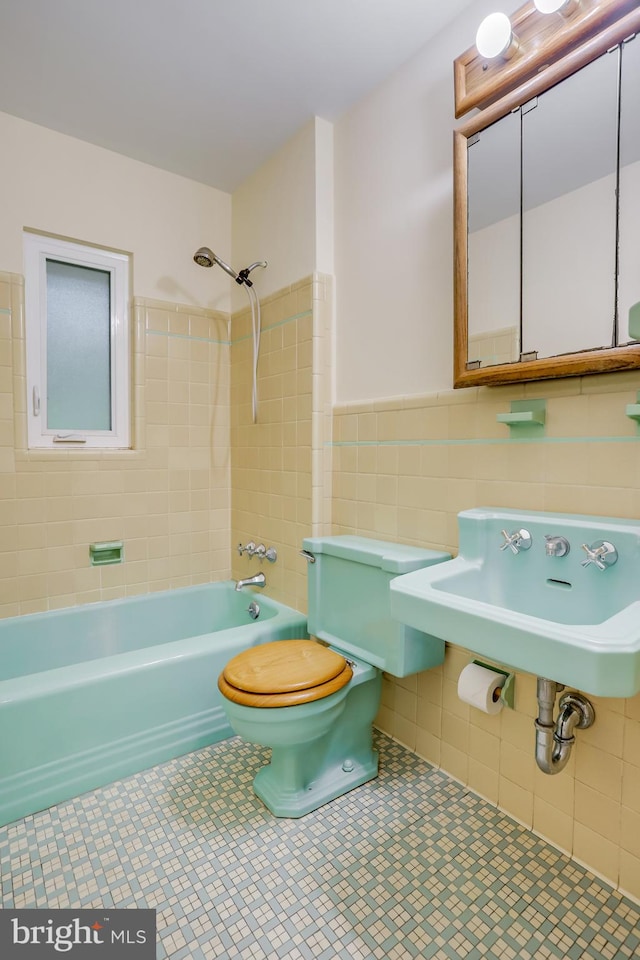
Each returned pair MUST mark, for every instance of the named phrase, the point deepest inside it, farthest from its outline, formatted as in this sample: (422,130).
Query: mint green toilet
(314,702)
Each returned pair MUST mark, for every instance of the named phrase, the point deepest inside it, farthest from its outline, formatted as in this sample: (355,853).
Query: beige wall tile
(517,766)
(483,780)
(429,685)
(553,824)
(630,875)
(631,742)
(420,486)
(557,791)
(453,761)
(484,748)
(600,854)
(599,769)
(631,786)
(516,800)
(67,499)
(630,831)
(597,812)
(429,717)
(428,746)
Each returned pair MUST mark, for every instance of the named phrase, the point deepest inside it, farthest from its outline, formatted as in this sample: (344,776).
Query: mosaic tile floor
(409,865)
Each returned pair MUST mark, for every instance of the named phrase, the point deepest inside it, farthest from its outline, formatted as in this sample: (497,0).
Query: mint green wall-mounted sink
(540,603)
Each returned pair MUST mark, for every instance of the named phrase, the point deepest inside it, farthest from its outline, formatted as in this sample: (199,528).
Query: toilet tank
(350,604)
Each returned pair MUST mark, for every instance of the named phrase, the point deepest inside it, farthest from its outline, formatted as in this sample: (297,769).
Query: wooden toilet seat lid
(283,673)
(283,665)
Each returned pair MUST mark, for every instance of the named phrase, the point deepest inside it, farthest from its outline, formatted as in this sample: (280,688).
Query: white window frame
(37,250)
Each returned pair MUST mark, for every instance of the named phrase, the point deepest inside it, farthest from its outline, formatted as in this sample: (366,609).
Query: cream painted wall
(58,184)
(274,217)
(394,226)
(325,190)
(283,213)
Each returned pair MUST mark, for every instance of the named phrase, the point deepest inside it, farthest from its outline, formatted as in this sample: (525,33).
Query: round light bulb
(494,36)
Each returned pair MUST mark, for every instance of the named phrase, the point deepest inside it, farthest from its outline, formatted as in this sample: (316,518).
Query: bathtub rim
(36,684)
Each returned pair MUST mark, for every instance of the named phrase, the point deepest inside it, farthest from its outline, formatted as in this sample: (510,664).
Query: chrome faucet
(259,580)
(556,546)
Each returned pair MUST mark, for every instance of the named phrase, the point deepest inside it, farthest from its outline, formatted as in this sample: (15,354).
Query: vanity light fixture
(495,38)
(564,7)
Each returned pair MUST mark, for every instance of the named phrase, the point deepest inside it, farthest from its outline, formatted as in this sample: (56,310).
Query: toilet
(313,701)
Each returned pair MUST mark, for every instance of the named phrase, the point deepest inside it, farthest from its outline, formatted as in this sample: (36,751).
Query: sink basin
(543,614)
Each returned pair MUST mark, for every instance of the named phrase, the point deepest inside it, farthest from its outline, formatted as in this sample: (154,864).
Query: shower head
(205,257)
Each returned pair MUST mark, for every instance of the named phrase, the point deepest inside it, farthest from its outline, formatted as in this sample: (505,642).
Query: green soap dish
(101,554)
(526,417)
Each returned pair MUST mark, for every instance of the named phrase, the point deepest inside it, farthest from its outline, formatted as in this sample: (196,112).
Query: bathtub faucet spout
(258,581)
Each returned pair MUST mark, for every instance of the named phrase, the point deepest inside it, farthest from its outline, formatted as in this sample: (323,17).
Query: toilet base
(319,750)
(285,800)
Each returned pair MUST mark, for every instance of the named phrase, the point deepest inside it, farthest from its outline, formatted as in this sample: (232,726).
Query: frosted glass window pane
(78,347)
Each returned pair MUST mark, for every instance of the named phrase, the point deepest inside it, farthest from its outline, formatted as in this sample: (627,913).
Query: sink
(530,607)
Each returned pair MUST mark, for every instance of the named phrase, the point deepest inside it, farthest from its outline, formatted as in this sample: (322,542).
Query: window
(78,344)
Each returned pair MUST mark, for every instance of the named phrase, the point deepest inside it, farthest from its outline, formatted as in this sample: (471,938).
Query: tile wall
(493,346)
(281,465)
(168,499)
(402,471)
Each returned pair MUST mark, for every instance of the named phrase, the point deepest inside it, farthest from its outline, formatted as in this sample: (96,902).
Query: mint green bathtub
(94,693)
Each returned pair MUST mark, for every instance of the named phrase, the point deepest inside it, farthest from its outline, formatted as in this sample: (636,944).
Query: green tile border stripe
(5,310)
(187,336)
(474,441)
(225,343)
(278,323)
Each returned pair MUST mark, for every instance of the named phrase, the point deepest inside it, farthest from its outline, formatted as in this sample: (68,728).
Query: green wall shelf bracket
(101,554)
(634,321)
(633,411)
(526,417)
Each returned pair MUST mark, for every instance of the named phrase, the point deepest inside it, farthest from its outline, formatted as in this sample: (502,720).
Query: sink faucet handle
(601,554)
(516,541)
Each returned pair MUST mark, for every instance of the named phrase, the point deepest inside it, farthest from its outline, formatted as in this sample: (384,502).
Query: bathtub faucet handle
(264,553)
(249,548)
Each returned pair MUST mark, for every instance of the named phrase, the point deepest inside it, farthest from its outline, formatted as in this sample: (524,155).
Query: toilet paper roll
(481,688)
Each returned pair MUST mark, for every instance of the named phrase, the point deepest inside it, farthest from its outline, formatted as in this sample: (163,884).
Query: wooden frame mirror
(547,210)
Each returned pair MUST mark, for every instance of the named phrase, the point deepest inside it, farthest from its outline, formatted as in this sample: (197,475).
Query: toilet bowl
(313,701)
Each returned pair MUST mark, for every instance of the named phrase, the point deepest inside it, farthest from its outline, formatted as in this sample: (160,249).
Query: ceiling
(204,88)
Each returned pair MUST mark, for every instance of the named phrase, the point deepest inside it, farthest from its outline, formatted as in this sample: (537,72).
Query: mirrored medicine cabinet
(547,219)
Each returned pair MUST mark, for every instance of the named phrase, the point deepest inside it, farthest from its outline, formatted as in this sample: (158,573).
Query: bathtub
(94,693)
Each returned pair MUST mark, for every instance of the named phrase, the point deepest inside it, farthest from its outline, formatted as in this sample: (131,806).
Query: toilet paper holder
(507,690)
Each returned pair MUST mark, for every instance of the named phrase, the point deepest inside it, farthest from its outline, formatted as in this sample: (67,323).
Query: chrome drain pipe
(555,739)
